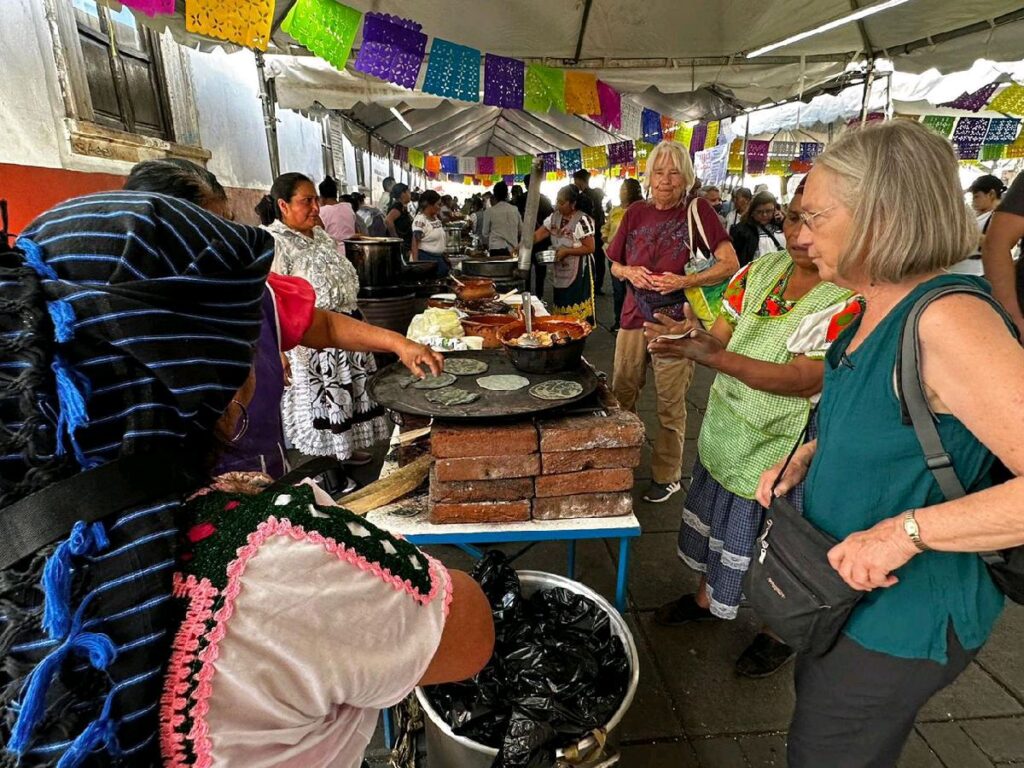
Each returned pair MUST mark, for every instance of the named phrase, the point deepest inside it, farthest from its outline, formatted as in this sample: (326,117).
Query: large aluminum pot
(453,238)
(378,262)
(501,269)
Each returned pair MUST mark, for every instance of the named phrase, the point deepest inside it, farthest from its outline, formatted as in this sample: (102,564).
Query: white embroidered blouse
(317,260)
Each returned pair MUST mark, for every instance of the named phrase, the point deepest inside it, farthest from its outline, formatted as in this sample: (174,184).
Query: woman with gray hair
(877,225)
(650,252)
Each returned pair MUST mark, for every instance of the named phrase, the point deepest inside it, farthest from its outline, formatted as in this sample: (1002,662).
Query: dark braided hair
(26,384)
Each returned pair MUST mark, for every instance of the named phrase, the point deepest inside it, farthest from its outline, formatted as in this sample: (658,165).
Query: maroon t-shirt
(659,241)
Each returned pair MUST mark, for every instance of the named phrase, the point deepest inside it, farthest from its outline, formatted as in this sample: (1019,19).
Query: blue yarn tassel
(63,316)
(34,258)
(100,650)
(71,392)
(101,731)
(84,540)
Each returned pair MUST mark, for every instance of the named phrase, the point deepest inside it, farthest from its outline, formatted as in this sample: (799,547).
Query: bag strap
(771,234)
(914,407)
(49,514)
(693,221)
(799,444)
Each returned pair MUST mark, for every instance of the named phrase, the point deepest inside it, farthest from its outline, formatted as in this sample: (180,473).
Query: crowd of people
(155,350)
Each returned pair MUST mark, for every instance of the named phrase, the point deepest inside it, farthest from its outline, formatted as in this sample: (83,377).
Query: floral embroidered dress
(299,622)
(574,275)
(745,430)
(327,409)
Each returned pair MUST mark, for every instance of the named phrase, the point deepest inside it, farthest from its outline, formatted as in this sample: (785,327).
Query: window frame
(91,135)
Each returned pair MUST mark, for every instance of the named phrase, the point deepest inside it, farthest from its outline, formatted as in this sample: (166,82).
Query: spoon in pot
(527,339)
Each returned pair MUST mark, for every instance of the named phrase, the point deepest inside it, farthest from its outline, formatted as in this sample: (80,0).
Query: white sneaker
(659,492)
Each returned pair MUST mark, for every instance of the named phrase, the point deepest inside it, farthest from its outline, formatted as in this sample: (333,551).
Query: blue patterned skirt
(717,537)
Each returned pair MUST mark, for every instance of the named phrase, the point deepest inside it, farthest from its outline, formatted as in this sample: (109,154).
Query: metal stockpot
(378,262)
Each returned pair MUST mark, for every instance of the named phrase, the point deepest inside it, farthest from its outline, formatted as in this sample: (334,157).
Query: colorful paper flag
(757,156)
(467,166)
(785,150)
(620,153)
(416,158)
(991,152)
(967,150)
(595,157)
(505,165)
(1002,130)
(150,7)
(684,135)
(246,22)
(545,89)
(484,166)
(524,164)
(392,49)
(970,130)
(570,160)
(400,153)
(581,93)
(449,164)
(700,134)
(453,71)
(735,163)
(941,124)
(550,161)
(972,102)
(711,139)
(811,149)
(503,81)
(668,127)
(610,116)
(650,123)
(1010,101)
(632,118)
(433,164)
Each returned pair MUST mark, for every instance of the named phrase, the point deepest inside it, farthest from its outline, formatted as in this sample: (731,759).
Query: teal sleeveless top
(869,467)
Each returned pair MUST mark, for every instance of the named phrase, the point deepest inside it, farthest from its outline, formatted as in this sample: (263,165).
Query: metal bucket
(451,751)
(392,312)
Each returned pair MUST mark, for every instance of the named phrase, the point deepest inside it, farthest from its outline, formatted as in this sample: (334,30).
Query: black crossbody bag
(790,582)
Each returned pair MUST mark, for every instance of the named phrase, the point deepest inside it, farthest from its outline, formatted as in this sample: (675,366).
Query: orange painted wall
(31,190)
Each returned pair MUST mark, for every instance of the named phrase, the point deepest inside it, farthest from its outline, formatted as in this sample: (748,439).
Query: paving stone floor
(692,710)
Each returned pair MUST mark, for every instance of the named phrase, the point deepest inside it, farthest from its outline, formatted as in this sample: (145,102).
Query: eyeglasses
(807,219)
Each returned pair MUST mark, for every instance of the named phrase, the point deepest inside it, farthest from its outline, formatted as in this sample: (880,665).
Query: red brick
(560,462)
(454,442)
(488,467)
(591,481)
(481,490)
(480,512)
(619,429)
(583,505)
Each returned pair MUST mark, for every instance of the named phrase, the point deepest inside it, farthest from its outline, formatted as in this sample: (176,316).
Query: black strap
(311,468)
(768,232)
(47,515)
(799,443)
(914,406)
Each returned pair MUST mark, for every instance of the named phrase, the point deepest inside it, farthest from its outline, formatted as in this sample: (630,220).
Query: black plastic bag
(557,672)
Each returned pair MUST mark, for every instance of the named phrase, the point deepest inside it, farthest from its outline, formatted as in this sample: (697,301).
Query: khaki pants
(672,377)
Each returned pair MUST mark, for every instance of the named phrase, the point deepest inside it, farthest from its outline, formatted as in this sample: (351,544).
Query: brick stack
(573,466)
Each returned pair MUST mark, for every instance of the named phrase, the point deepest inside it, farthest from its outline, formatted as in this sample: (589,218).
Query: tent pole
(269,115)
(746,136)
(888,96)
(869,81)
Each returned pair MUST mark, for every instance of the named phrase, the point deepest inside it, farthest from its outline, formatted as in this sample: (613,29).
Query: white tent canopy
(684,58)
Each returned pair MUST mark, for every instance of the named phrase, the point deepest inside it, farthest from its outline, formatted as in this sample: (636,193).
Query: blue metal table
(416,527)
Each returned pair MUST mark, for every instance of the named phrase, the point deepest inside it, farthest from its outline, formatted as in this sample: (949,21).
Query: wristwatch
(913,530)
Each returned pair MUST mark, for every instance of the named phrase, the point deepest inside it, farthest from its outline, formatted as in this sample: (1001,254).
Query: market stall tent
(684,58)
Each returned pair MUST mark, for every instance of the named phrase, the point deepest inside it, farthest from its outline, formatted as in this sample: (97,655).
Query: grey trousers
(855,708)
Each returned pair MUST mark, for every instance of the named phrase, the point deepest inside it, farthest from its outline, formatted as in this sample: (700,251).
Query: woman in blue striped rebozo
(127,322)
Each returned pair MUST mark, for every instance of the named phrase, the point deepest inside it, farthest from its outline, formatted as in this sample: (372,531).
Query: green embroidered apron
(745,430)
